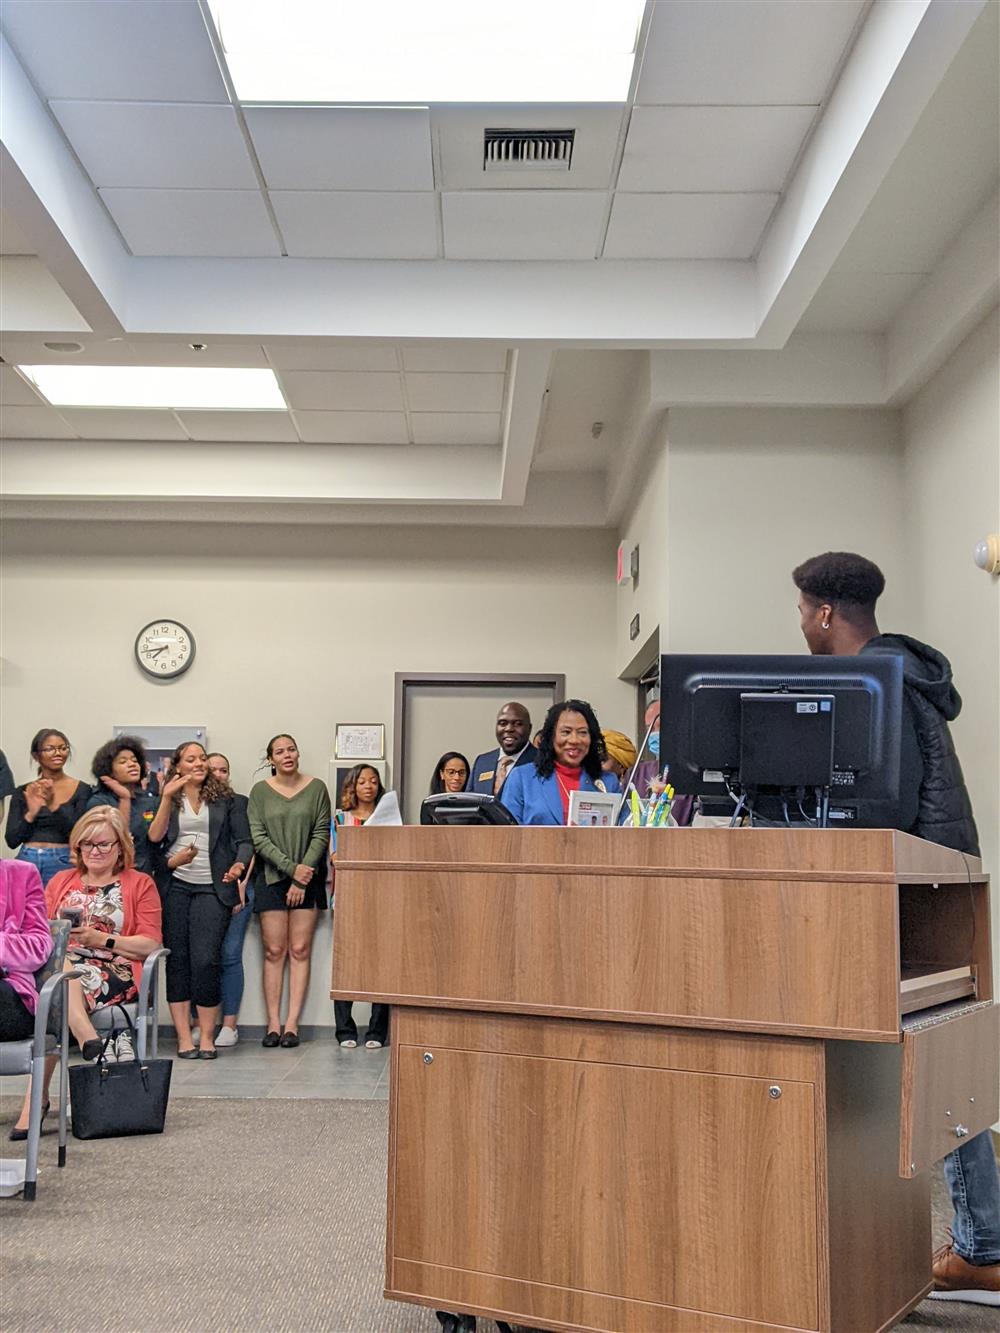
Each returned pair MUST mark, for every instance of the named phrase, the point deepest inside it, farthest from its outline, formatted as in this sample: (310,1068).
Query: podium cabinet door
(673,1188)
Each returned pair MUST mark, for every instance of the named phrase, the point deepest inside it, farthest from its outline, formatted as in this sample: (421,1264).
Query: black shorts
(271,897)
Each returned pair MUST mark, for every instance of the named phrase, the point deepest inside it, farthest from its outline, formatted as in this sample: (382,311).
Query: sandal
(372,1045)
(349,1044)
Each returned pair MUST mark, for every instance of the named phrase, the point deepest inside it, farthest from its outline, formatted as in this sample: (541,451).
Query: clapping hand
(37,794)
(170,789)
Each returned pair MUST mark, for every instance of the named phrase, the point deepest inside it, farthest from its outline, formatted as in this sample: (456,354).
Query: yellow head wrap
(620,748)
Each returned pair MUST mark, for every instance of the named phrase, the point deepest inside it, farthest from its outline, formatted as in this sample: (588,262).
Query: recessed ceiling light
(399,51)
(69,348)
(179,387)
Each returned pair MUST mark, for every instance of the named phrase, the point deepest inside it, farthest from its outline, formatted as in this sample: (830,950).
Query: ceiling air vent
(528,150)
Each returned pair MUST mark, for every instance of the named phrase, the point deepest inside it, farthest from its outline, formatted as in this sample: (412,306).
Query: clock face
(164,649)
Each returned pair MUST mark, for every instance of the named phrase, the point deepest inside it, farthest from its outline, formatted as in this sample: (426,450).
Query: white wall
(296,629)
(952,494)
(734,498)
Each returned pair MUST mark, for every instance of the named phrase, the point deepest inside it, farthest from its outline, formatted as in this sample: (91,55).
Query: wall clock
(164,649)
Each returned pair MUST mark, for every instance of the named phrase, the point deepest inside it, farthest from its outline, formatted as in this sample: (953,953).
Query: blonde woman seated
(115,911)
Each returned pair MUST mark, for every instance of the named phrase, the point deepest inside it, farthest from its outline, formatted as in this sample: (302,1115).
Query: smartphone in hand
(74,915)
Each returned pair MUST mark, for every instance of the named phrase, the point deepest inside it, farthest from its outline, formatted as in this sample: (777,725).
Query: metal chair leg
(34,1127)
(63,1081)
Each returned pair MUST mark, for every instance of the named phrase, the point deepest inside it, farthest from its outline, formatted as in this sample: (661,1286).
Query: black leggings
(194,928)
(16,1024)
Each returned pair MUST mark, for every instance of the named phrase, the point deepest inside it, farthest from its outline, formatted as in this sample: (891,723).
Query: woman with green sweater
(289,816)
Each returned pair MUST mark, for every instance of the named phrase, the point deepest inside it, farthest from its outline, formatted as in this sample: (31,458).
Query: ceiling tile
(458,132)
(317,355)
(264,427)
(352,427)
(342,391)
(690,148)
(141,50)
(342,148)
(456,427)
(159,145)
(15,389)
(350,224)
(766,52)
(231,223)
(454,393)
(121,423)
(33,423)
(520,224)
(455,358)
(687,226)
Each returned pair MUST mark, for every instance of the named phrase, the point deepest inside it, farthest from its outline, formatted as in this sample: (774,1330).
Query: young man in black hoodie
(837,596)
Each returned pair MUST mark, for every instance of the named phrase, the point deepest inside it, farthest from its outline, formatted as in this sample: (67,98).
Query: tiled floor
(316,1068)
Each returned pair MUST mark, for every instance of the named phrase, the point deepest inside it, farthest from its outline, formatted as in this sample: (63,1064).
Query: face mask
(654,744)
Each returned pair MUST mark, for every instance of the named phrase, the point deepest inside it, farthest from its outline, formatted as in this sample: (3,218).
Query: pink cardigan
(25,938)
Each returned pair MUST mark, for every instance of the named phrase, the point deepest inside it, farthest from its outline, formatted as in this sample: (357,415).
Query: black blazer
(484,769)
(228,841)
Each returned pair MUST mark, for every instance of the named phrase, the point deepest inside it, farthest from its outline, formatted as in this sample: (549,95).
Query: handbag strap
(113,1032)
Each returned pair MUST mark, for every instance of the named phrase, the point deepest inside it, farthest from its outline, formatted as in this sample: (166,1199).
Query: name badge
(484,776)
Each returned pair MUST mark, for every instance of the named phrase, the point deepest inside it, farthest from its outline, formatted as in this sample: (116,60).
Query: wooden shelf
(926,985)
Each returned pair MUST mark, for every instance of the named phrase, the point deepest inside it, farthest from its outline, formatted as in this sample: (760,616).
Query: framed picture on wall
(355,741)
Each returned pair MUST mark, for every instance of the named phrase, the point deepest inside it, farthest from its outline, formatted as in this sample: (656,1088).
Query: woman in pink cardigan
(25,944)
(116,924)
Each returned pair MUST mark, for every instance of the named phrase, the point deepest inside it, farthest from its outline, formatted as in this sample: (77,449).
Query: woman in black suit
(205,834)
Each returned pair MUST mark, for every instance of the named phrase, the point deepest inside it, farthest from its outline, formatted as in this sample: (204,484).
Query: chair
(28,1057)
(144,1012)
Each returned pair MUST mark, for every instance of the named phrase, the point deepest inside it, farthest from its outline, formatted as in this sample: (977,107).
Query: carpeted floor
(249,1215)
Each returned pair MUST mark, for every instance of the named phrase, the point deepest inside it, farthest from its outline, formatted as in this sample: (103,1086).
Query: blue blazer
(485,768)
(532,799)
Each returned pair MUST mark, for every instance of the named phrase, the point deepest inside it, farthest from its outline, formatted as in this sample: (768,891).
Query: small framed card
(358,741)
(593,809)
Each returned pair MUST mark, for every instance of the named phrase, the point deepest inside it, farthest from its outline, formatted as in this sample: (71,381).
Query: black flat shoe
(289,1039)
(192,1054)
(19,1135)
(208,1055)
(271,1039)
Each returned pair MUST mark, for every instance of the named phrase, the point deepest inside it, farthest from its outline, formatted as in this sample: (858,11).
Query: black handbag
(115,1100)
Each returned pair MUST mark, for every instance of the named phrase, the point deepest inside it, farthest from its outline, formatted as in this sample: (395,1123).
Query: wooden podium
(682,1081)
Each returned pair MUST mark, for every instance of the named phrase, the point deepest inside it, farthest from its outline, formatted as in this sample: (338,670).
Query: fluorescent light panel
(429,51)
(177,387)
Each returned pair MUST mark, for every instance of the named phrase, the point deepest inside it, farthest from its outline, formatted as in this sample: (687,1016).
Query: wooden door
(671,1187)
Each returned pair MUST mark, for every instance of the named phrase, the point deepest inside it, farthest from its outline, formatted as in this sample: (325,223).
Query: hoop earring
(826,624)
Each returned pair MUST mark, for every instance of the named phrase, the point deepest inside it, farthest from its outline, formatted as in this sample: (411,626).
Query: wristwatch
(110,943)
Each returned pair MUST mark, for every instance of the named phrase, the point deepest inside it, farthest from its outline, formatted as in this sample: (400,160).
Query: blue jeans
(970,1173)
(232,958)
(47,861)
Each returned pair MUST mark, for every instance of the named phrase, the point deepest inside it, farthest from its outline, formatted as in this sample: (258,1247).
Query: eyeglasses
(54,749)
(101,848)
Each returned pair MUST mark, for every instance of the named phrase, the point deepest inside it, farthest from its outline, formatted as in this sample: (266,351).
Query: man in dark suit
(490,770)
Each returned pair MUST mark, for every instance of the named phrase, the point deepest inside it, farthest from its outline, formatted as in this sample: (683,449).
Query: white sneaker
(196,1035)
(111,1053)
(227,1036)
(124,1050)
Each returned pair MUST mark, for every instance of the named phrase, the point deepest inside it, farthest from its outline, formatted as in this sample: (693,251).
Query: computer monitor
(777,730)
(464,807)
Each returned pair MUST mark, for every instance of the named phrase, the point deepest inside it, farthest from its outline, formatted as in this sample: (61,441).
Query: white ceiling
(691,168)
(412,304)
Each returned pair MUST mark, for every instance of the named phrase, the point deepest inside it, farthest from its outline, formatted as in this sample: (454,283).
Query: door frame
(405,680)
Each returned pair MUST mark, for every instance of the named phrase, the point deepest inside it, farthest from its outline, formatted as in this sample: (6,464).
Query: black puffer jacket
(945,812)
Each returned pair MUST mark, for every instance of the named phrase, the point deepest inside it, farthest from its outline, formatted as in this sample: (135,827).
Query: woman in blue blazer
(570,754)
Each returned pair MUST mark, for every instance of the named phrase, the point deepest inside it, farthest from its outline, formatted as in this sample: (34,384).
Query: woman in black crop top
(43,812)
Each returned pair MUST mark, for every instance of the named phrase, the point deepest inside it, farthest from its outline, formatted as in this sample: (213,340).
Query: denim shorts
(48,861)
